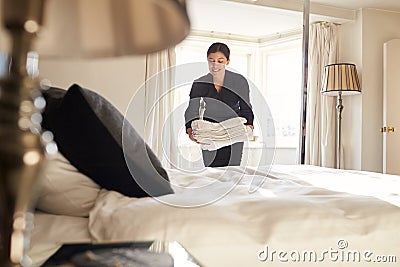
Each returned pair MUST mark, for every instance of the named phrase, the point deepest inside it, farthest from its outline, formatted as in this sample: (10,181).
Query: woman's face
(216,63)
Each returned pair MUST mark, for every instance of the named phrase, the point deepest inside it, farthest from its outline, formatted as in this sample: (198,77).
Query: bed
(227,216)
(297,208)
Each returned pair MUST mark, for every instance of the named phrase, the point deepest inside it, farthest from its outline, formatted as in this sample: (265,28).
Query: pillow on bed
(88,131)
(66,191)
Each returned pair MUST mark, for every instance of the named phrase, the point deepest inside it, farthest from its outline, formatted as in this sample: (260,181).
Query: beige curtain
(158,131)
(320,147)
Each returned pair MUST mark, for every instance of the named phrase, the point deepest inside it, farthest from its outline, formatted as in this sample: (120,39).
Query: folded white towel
(202,126)
(213,136)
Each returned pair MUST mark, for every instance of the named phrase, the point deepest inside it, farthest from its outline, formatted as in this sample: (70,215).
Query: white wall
(378,27)
(350,51)
(373,28)
(361,42)
(117,79)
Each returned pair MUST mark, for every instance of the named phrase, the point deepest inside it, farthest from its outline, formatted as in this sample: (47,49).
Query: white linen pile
(214,135)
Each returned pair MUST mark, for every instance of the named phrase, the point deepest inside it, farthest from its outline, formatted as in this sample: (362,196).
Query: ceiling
(240,19)
(393,5)
(264,18)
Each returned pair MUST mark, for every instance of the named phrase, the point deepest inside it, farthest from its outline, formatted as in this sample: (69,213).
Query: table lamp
(340,79)
(79,28)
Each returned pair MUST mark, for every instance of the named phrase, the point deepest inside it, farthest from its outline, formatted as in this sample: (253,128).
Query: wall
(361,42)
(378,28)
(374,28)
(117,79)
(350,50)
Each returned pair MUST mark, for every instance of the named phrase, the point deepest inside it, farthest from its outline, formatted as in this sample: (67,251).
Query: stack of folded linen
(214,135)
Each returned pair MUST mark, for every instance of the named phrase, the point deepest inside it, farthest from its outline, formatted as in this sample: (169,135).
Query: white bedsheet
(297,209)
(51,231)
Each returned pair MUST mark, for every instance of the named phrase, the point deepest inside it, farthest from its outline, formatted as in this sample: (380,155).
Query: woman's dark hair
(219,47)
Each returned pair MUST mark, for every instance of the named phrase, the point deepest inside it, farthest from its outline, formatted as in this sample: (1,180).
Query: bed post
(303,106)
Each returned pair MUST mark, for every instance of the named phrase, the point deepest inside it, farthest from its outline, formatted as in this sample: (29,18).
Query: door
(391,107)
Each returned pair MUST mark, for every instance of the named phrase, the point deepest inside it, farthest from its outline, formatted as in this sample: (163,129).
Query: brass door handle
(387,129)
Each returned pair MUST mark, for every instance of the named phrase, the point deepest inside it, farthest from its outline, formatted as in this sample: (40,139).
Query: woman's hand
(189,131)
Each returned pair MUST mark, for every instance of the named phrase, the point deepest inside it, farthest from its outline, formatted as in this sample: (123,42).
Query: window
(283,88)
(275,69)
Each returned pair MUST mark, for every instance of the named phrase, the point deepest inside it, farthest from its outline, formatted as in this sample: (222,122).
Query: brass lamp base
(21,160)
(21,149)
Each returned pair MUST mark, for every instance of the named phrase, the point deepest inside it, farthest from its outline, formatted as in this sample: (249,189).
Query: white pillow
(64,190)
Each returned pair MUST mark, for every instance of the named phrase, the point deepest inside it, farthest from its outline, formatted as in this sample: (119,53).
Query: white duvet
(297,209)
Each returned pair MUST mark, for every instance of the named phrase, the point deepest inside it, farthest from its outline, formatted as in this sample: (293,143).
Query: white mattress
(297,208)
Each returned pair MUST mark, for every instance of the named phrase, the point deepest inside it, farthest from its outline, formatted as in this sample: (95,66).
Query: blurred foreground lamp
(340,79)
(77,28)
(87,28)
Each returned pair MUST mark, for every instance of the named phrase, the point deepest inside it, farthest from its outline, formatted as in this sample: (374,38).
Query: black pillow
(88,131)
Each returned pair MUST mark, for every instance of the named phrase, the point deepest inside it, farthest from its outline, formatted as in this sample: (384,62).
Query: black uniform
(233,100)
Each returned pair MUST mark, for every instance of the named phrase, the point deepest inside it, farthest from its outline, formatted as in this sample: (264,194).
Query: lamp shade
(106,28)
(340,78)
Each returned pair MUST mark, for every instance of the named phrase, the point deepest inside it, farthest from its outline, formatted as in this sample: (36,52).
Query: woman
(226,95)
